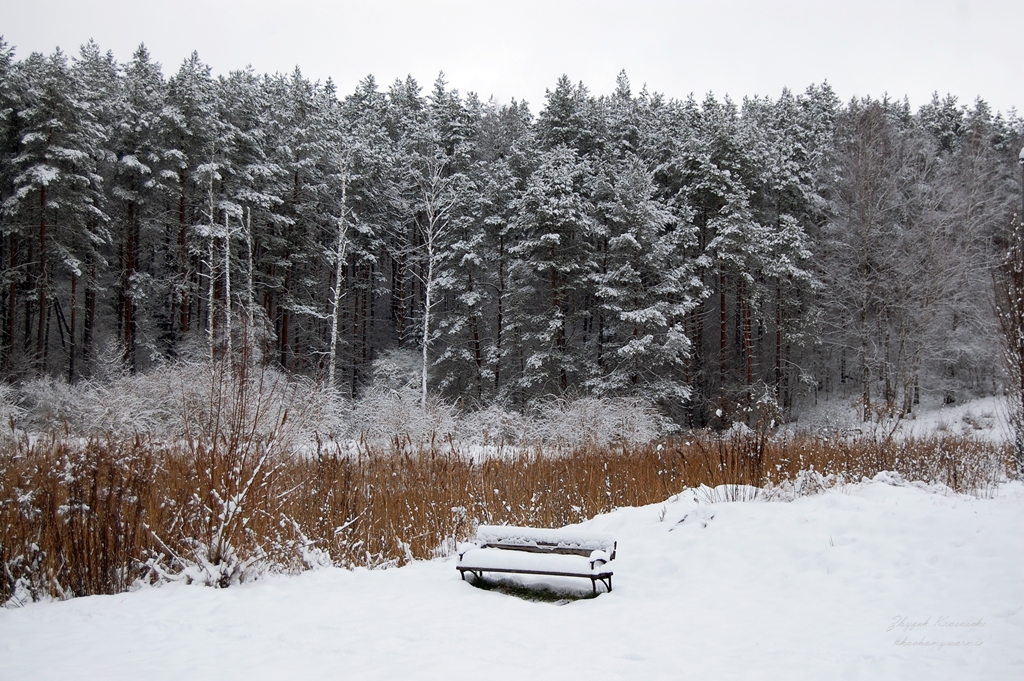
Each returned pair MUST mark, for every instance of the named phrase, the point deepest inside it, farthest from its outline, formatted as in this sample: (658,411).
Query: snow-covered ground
(875,580)
(986,418)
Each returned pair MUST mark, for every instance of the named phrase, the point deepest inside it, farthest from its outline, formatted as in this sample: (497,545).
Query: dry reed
(96,516)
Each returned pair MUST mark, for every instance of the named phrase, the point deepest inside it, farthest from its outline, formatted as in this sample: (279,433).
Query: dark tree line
(709,255)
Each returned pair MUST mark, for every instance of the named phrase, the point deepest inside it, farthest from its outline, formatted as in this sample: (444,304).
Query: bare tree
(1010,289)
(210,248)
(340,247)
(437,197)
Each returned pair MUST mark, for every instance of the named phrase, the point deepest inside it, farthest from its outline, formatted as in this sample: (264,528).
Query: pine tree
(551,272)
(371,156)
(190,125)
(13,87)
(645,286)
(255,193)
(570,119)
(315,170)
(56,188)
(142,186)
(474,327)
(781,143)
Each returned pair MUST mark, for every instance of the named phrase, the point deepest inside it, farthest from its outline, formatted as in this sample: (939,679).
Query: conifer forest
(708,255)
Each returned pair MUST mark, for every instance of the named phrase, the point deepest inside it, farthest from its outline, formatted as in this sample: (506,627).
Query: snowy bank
(874,580)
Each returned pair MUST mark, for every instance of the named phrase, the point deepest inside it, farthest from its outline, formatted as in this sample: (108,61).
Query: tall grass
(232,500)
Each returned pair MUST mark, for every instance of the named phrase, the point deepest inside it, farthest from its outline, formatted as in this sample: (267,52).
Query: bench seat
(537,551)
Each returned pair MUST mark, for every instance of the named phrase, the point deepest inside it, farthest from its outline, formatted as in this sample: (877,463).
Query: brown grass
(88,517)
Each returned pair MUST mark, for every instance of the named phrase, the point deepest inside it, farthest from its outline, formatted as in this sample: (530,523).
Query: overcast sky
(518,49)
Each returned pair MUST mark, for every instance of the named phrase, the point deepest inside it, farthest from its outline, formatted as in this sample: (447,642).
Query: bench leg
(476,575)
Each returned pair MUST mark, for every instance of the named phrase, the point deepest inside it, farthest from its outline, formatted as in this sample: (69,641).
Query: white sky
(519,49)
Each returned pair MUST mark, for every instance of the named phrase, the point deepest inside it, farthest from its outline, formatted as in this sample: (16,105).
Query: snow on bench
(538,551)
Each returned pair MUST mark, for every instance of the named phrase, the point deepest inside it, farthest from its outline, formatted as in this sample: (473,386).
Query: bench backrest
(542,540)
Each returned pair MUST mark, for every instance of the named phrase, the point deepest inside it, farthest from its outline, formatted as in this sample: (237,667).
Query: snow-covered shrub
(397,370)
(383,415)
(804,483)
(11,412)
(494,426)
(175,399)
(594,420)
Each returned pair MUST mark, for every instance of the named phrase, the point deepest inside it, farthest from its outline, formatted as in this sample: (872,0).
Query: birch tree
(1010,302)
(438,196)
(340,247)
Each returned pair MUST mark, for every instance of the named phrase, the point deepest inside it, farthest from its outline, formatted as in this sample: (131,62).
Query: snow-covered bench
(535,551)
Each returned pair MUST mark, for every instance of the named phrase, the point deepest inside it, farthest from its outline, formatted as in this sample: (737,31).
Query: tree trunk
(556,303)
(74,328)
(477,351)
(183,274)
(282,340)
(128,274)
(778,339)
(429,285)
(250,294)
(211,300)
(748,341)
(865,384)
(339,270)
(12,303)
(227,289)
(500,320)
(41,284)
(723,344)
(356,337)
